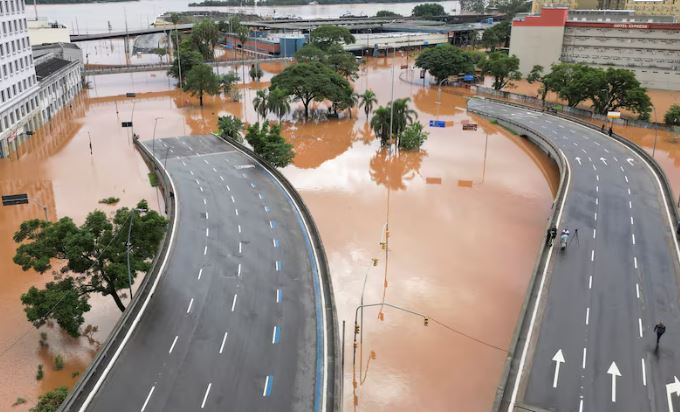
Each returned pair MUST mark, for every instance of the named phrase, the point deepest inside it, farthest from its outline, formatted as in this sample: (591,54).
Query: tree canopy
(502,67)
(204,37)
(386,13)
(334,56)
(90,258)
(497,35)
(188,57)
(473,6)
(307,82)
(230,126)
(328,35)
(202,80)
(268,143)
(51,401)
(672,116)
(445,60)
(511,7)
(428,10)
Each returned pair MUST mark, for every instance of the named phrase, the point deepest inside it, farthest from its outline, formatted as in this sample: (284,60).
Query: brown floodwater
(448,205)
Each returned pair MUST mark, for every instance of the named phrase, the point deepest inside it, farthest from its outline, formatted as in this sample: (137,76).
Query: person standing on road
(552,234)
(659,329)
(610,131)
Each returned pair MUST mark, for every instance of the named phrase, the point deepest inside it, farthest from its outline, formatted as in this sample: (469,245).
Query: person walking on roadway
(552,234)
(659,329)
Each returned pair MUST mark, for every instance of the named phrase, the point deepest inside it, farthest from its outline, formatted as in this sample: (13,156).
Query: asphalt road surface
(232,324)
(593,344)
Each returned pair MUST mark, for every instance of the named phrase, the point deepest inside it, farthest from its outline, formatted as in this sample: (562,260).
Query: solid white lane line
(644,373)
(236,210)
(233,304)
(205,250)
(191,302)
(200,272)
(173,344)
(635,261)
(224,339)
(587,315)
(633,238)
(205,397)
(637,290)
(207,232)
(239,228)
(238,271)
(640,326)
(590,282)
(228,188)
(592,255)
(583,364)
(580,405)
(148,397)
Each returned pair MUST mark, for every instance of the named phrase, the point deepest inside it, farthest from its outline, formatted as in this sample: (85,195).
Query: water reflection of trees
(315,143)
(392,171)
(451,104)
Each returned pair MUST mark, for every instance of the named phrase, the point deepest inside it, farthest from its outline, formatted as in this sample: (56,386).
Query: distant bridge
(129,33)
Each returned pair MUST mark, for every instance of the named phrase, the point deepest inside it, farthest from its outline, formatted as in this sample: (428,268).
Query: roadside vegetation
(672,116)
(51,401)
(84,260)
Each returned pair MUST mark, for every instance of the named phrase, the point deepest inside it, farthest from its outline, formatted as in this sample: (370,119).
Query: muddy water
(447,205)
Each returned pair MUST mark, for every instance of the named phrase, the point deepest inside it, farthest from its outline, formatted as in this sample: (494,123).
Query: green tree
(90,258)
(51,401)
(160,52)
(255,72)
(502,67)
(403,115)
(386,14)
(536,75)
(428,10)
(200,81)
(571,81)
(278,103)
(310,53)
(498,34)
(227,82)
(230,126)
(366,100)
(413,137)
(260,104)
(174,18)
(204,37)
(380,123)
(473,6)
(614,89)
(444,61)
(328,35)
(342,62)
(268,143)
(511,7)
(672,116)
(310,81)
(189,58)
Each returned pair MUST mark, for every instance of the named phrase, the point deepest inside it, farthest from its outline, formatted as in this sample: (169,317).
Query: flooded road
(466,217)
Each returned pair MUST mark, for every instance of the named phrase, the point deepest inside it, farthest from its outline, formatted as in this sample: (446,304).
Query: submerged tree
(91,258)
(230,126)
(202,80)
(366,100)
(268,143)
(503,68)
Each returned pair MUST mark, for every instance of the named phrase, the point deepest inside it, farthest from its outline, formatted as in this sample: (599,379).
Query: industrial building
(646,45)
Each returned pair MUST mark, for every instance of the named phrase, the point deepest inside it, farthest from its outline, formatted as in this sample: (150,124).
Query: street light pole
(656,132)
(153,139)
(129,245)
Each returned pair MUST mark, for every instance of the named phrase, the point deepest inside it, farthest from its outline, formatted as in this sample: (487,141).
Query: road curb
(519,335)
(334,389)
(89,378)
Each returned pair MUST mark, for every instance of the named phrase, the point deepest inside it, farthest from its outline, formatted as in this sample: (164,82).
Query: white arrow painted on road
(614,371)
(630,161)
(558,359)
(604,161)
(672,388)
(578,159)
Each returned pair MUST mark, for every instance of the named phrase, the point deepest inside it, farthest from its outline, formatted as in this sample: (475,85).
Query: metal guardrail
(133,68)
(89,377)
(334,390)
(513,358)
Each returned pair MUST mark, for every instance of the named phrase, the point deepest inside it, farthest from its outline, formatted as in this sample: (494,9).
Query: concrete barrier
(89,378)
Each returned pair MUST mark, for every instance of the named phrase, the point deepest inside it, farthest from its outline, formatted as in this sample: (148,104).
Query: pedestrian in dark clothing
(659,329)
(602,128)
(552,233)
(610,131)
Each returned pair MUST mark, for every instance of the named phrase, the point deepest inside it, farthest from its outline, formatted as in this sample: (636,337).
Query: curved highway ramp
(589,341)
(234,324)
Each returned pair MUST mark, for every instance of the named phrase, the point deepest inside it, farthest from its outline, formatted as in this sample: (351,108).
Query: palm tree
(278,103)
(366,100)
(380,123)
(260,104)
(403,115)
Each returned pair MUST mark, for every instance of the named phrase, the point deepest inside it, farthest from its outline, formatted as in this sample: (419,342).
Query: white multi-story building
(19,108)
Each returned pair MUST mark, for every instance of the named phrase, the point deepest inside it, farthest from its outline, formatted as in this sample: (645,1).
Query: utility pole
(35,7)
